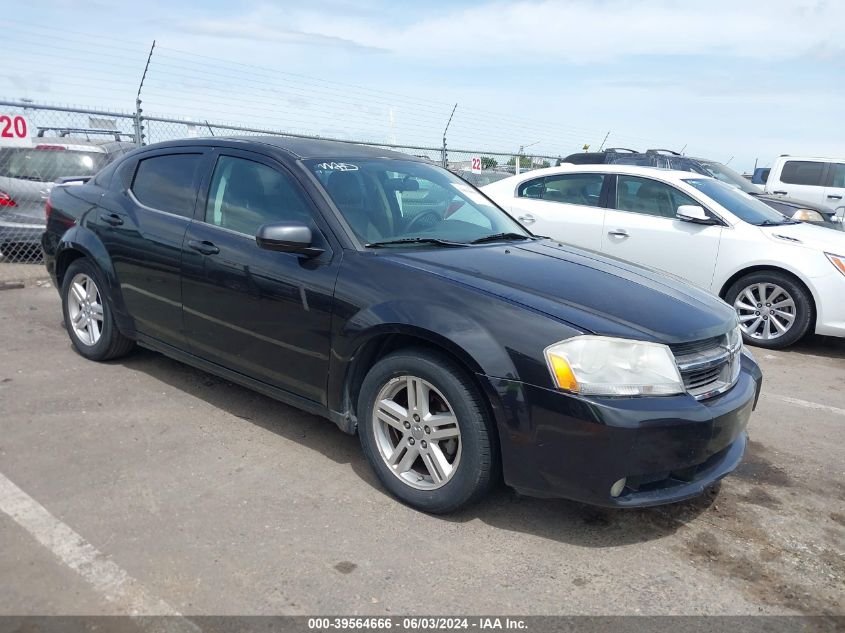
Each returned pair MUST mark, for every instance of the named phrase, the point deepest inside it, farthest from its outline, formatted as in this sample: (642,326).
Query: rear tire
(435,452)
(88,314)
(774,310)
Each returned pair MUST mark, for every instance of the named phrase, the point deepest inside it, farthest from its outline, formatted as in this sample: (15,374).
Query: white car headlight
(601,365)
(807,215)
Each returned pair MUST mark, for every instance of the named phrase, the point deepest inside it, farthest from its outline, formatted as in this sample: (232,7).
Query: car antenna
(209,127)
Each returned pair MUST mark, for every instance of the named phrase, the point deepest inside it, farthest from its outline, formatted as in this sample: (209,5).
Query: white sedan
(784,278)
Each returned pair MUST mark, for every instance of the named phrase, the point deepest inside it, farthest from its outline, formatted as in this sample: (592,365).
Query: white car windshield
(390,202)
(742,205)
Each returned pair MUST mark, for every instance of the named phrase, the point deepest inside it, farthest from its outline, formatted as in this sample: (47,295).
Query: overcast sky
(724,78)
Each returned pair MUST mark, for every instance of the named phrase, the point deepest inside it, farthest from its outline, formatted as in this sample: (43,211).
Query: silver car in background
(28,173)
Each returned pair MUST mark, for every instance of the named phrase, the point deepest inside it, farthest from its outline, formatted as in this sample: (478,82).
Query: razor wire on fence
(63,143)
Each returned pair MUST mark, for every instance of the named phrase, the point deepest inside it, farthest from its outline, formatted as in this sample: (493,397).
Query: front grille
(708,367)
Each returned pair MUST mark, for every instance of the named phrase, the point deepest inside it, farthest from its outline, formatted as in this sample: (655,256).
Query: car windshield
(728,175)
(742,205)
(46,165)
(403,202)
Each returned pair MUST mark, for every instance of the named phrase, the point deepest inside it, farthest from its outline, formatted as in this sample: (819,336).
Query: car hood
(792,202)
(809,236)
(587,290)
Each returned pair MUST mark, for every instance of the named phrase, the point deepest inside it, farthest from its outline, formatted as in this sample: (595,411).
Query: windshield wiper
(415,240)
(776,223)
(499,237)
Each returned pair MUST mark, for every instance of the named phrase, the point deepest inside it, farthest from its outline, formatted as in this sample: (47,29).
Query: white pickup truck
(818,180)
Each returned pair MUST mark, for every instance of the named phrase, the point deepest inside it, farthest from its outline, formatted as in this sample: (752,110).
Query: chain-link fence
(64,143)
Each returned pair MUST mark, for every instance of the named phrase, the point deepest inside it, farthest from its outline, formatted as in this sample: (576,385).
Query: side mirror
(287,237)
(695,214)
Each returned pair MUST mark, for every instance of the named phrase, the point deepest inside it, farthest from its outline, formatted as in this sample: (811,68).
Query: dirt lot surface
(144,484)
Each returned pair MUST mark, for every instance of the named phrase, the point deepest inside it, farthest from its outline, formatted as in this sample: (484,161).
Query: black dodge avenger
(393,298)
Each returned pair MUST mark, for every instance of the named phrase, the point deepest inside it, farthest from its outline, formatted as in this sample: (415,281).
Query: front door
(640,226)
(262,313)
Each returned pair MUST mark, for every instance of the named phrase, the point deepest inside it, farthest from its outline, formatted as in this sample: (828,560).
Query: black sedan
(458,346)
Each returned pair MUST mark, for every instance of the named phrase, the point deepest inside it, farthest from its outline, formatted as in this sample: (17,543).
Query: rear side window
(168,183)
(583,189)
(531,188)
(802,172)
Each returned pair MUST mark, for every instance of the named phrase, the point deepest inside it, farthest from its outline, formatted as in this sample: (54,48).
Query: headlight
(808,215)
(838,261)
(600,365)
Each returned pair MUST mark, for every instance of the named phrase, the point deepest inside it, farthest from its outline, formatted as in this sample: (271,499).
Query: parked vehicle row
(395,299)
(798,207)
(784,278)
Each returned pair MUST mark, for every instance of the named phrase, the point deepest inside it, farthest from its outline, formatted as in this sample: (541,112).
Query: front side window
(802,172)
(244,195)
(385,200)
(581,189)
(168,182)
(649,197)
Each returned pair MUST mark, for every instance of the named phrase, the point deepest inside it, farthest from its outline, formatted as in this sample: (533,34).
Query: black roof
(297,147)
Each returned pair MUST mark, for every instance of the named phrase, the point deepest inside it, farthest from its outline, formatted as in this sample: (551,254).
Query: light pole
(519,154)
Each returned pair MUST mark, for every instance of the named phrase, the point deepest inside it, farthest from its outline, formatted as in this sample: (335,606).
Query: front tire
(425,431)
(774,310)
(88,314)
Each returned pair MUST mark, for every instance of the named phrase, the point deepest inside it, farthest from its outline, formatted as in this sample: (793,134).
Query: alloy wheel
(766,311)
(85,309)
(417,432)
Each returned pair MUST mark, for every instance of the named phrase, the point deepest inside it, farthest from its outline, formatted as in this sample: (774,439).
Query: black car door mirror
(695,214)
(287,237)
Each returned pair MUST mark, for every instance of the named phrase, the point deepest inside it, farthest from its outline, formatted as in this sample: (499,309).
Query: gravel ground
(209,499)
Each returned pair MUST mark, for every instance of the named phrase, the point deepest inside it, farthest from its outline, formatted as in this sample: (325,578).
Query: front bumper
(829,295)
(670,448)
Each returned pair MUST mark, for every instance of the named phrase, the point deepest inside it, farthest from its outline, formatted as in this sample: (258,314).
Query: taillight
(6,200)
(48,209)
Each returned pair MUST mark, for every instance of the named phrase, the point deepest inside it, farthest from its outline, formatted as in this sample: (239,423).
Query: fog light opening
(617,488)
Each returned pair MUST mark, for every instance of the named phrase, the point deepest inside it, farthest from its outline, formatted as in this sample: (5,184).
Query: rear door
(142,223)
(800,179)
(567,207)
(262,313)
(641,227)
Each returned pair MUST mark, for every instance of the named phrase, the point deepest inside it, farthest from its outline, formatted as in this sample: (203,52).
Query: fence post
(139,125)
(444,159)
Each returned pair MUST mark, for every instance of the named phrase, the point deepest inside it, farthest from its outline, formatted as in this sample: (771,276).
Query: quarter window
(649,197)
(245,195)
(802,172)
(168,183)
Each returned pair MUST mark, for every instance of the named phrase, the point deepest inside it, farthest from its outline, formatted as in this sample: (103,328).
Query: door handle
(527,219)
(835,197)
(205,247)
(618,233)
(111,218)
(782,193)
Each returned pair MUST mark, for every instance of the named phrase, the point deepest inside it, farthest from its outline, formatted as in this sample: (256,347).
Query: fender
(468,341)
(82,240)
